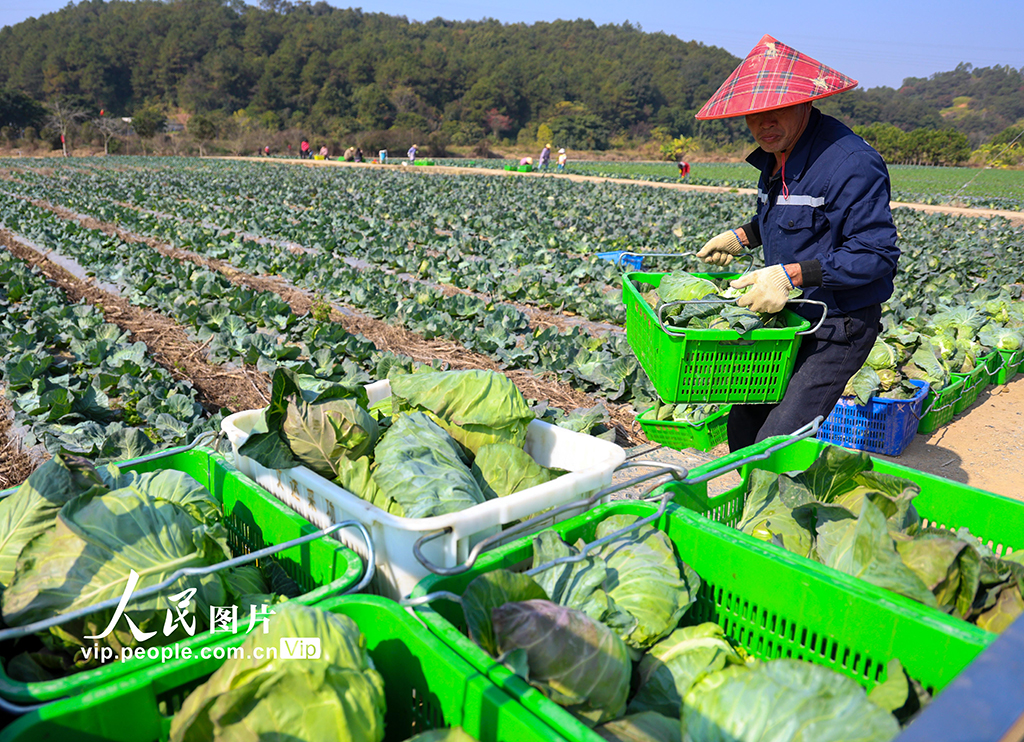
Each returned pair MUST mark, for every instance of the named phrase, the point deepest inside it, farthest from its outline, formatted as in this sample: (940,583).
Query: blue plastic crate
(883,426)
(632,262)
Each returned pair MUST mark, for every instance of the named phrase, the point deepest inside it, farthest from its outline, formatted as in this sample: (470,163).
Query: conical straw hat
(773,76)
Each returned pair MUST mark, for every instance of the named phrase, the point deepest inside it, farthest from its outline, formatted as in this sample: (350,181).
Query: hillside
(338,71)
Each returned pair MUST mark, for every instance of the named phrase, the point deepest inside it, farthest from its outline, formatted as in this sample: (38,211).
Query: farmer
(561,160)
(304,150)
(525,161)
(822,220)
(684,169)
(412,154)
(324,152)
(545,156)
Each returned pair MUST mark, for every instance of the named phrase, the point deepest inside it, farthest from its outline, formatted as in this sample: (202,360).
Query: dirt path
(982,447)
(1016,217)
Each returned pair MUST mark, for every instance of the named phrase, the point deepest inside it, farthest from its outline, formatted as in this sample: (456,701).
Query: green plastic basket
(1010,362)
(774,606)
(974,384)
(997,521)
(254,519)
(940,406)
(426,685)
(710,365)
(703,436)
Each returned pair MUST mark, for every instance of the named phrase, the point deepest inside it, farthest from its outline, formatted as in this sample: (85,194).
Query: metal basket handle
(757,452)
(677,472)
(729,463)
(671,331)
(44,624)
(741,458)
(741,256)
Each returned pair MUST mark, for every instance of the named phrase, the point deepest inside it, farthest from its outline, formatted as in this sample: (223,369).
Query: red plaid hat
(773,76)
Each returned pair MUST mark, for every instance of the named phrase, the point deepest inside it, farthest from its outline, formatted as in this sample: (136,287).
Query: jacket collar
(797,160)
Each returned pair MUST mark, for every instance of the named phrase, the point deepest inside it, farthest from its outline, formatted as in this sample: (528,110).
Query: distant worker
(684,169)
(359,154)
(324,152)
(266,151)
(526,161)
(382,156)
(561,160)
(304,150)
(823,222)
(350,154)
(545,156)
(412,154)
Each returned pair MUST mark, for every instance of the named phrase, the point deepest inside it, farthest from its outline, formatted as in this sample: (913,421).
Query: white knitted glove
(769,292)
(720,249)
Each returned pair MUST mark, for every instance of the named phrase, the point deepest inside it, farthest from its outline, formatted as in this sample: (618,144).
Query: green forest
(335,73)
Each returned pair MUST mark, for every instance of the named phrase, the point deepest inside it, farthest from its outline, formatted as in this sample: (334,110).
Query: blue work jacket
(837,214)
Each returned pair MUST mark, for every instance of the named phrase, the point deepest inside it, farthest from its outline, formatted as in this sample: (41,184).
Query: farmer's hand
(769,292)
(719,250)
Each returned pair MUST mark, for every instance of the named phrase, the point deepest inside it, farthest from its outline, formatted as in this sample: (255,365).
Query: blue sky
(874,41)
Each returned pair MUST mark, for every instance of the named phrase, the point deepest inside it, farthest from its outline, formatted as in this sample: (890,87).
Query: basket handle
(824,313)
(766,449)
(20,631)
(679,473)
(670,331)
(624,253)
(733,461)
(757,452)
(933,408)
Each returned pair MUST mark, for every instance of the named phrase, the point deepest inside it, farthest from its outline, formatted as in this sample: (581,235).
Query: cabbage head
(1001,338)
(783,701)
(883,356)
(501,469)
(575,661)
(684,287)
(339,696)
(313,423)
(420,467)
(475,407)
(673,665)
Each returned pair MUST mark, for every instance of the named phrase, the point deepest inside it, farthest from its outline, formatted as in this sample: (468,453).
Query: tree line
(335,73)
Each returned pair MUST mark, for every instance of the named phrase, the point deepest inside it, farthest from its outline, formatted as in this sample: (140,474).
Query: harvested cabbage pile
(951,341)
(70,537)
(844,515)
(443,442)
(608,639)
(711,316)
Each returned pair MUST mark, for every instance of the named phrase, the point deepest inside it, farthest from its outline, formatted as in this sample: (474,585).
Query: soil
(982,447)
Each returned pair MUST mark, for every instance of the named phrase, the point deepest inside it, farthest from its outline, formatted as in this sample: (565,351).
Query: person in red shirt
(304,150)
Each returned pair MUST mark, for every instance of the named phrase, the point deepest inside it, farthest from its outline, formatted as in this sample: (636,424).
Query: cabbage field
(142,301)
(343,273)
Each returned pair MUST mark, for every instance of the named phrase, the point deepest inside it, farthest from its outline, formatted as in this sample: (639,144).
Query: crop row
(75,380)
(944,257)
(603,365)
(258,328)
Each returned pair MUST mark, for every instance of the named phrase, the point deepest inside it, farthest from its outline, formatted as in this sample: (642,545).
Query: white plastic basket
(590,462)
